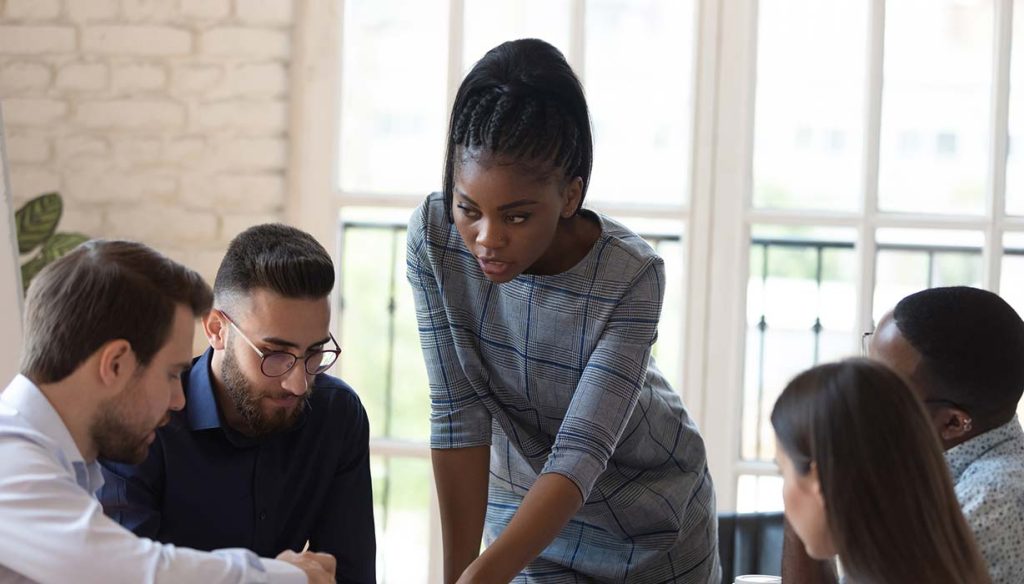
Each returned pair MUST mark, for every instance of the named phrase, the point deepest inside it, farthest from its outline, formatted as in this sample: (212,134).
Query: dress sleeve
(458,418)
(610,385)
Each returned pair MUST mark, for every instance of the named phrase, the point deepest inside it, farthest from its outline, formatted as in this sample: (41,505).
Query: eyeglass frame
(295,358)
(865,341)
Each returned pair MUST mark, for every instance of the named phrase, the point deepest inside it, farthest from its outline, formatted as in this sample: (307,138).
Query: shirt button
(263,515)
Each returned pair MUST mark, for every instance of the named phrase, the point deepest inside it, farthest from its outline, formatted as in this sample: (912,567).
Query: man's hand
(319,567)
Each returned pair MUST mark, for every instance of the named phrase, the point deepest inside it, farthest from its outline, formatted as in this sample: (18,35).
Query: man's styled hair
(279,258)
(972,347)
(99,292)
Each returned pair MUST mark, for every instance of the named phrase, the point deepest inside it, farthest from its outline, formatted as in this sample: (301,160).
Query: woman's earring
(967,424)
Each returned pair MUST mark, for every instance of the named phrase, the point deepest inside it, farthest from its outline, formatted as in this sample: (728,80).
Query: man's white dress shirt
(52,528)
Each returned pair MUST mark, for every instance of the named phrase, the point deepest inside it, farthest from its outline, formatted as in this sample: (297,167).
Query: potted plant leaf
(39,242)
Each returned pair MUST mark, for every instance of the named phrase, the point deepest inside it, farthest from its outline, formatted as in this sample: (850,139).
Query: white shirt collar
(25,397)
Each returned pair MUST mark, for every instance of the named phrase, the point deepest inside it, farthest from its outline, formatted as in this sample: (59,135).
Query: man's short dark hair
(99,292)
(276,257)
(972,347)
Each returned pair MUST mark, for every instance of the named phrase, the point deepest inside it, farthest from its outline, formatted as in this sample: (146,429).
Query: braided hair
(522,102)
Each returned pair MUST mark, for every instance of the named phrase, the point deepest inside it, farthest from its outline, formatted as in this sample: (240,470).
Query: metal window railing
(815,327)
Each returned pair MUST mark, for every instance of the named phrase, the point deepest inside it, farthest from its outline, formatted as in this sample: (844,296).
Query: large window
(879,168)
(800,164)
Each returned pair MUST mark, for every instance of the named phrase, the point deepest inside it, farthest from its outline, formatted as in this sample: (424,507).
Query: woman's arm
(460,425)
(461,476)
(601,405)
(550,504)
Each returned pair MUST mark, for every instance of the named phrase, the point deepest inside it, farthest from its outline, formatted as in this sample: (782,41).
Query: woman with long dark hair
(865,480)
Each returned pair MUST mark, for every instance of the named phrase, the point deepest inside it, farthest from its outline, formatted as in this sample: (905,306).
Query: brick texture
(164,121)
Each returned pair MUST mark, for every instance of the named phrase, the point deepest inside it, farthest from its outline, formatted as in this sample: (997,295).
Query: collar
(32,405)
(201,407)
(201,403)
(961,456)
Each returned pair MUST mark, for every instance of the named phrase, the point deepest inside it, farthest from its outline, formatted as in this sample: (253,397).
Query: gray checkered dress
(555,374)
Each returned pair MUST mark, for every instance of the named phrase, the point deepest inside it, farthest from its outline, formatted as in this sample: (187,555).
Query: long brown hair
(889,500)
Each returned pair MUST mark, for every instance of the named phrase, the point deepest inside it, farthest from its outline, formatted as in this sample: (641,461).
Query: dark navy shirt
(205,486)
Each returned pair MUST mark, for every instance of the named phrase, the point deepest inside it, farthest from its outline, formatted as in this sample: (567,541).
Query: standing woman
(553,433)
(864,479)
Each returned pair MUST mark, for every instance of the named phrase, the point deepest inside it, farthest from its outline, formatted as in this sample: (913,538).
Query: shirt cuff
(462,429)
(279,572)
(578,466)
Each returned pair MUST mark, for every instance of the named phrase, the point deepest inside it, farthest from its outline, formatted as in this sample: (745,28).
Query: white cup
(757,579)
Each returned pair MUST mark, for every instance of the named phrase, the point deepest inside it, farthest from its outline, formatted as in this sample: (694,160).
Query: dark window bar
(397,275)
(819,247)
(657,241)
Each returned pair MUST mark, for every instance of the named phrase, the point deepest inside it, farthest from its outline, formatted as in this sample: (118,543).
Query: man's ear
(215,326)
(117,364)
(954,424)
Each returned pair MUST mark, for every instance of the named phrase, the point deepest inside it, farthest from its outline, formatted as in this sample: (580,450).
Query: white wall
(164,121)
(10,283)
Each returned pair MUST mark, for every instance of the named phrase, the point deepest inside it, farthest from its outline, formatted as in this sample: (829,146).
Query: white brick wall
(159,120)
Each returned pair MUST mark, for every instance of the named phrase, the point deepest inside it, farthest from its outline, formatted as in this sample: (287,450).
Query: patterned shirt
(988,471)
(555,374)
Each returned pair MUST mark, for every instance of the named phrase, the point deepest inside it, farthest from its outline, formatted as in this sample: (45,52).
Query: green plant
(39,242)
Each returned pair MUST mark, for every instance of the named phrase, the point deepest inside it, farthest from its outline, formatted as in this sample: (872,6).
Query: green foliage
(36,221)
(60,244)
(36,225)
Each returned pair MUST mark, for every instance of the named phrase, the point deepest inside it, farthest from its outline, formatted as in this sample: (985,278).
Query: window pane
(401,508)
(393,92)
(1011,280)
(488,23)
(758,494)
(910,260)
(799,301)
(638,75)
(381,355)
(668,350)
(935,105)
(1015,159)
(810,103)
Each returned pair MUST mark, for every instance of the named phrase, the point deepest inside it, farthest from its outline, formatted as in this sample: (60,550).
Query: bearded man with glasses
(270,452)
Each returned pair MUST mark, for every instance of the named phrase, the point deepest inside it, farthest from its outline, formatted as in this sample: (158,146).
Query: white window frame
(734,216)
(718,216)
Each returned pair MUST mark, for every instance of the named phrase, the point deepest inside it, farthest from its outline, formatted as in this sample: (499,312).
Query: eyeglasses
(277,363)
(865,341)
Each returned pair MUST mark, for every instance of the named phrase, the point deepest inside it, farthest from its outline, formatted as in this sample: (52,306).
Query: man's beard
(114,439)
(247,404)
